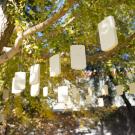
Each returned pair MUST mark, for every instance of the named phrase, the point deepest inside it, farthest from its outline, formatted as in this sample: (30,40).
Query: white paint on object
(78,57)
(34,74)
(35,89)
(55,65)
(20,80)
(108,34)
(15,91)
(62,94)
(100,102)
(45,91)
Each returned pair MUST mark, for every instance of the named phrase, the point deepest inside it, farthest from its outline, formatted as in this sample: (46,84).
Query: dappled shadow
(115,122)
(120,122)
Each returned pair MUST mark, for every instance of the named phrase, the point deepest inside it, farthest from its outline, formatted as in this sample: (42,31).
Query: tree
(6,28)
(37,30)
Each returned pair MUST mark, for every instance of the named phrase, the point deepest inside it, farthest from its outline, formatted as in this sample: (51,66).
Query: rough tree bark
(6,27)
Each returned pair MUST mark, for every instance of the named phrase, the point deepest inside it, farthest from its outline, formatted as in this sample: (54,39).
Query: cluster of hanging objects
(108,41)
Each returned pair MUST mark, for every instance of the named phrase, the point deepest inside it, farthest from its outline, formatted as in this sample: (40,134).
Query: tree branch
(6,56)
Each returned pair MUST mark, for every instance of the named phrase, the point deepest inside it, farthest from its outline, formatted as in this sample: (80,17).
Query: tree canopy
(36,30)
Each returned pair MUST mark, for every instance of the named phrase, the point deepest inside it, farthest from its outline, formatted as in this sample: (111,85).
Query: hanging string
(34,58)
(35,55)
(47,73)
(20,67)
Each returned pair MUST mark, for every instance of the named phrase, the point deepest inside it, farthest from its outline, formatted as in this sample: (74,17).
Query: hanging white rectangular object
(45,91)
(100,102)
(108,34)
(20,80)
(62,94)
(15,91)
(35,89)
(104,90)
(78,57)
(55,65)
(132,88)
(119,90)
(34,74)
(6,49)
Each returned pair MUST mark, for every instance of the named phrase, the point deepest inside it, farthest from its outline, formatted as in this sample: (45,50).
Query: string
(35,56)
(20,60)
(20,67)
(47,73)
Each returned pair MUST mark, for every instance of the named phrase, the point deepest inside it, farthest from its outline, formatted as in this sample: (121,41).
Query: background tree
(38,29)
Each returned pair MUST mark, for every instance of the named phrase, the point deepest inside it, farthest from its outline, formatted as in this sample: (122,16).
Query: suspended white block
(78,57)
(6,49)
(15,91)
(132,88)
(34,74)
(45,91)
(119,90)
(20,80)
(107,34)
(62,94)
(55,65)
(35,89)
(100,102)
(104,90)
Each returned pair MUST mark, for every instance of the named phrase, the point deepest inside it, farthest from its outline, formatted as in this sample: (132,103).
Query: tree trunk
(130,115)
(6,27)
(128,105)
